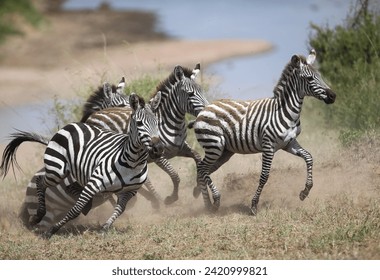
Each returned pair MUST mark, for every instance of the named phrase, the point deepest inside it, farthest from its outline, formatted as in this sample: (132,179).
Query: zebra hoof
(303,195)
(254,209)
(170,199)
(196,192)
(48,234)
(34,220)
(105,228)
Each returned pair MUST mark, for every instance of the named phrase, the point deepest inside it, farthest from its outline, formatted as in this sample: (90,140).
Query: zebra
(61,198)
(100,99)
(264,126)
(180,94)
(99,160)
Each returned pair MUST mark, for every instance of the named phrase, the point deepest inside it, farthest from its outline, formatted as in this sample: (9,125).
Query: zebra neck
(289,101)
(133,154)
(171,118)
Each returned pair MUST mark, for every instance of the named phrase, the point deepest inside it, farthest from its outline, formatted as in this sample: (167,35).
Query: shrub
(349,58)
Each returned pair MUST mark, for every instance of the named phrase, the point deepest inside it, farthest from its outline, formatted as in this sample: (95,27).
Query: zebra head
(312,83)
(144,124)
(105,97)
(190,95)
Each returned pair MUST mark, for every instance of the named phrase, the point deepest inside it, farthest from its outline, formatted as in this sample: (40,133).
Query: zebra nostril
(157,147)
(330,96)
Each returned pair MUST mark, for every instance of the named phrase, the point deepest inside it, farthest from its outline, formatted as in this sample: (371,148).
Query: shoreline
(22,85)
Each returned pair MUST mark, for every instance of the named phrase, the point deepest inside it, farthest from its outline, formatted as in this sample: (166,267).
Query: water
(286,24)
(283,23)
(29,117)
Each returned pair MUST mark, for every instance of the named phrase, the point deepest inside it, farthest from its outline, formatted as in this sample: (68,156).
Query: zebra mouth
(330,97)
(156,150)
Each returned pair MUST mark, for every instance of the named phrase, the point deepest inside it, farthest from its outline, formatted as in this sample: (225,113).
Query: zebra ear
(296,61)
(107,90)
(196,70)
(311,58)
(121,86)
(155,101)
(134,101)
(178,73)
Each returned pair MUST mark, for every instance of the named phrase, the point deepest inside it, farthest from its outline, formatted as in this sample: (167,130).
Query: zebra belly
(124,179)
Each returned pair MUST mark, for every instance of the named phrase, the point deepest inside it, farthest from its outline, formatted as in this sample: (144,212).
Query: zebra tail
(9,154)
(190,125)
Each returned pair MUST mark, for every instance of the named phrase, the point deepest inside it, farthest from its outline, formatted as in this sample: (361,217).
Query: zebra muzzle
(157,148)
(330,97)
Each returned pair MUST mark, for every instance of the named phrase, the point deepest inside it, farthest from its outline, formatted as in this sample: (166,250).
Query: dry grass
(339,220)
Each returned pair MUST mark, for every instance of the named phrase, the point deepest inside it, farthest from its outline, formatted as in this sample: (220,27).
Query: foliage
(144,86)
(349,59)
(11,11)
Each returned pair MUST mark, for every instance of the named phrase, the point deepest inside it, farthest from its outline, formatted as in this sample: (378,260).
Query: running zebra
(99,160)
(263,126)
(60,199)
(180,94)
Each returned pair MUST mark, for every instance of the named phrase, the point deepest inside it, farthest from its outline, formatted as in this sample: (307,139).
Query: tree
(13,14)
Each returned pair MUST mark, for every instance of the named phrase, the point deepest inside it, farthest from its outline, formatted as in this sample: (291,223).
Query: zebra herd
(108,151)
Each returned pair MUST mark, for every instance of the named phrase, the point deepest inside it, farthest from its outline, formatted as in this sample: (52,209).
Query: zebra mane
(288,70)
(171,80)
(95,102)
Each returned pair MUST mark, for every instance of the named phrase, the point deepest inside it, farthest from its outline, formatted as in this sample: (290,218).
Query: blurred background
(51,33)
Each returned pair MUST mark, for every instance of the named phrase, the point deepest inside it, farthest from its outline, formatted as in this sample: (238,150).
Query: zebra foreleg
(265,169)
(295,149)
(85,196)
(150,194)
(204,183)
(185,151)
(122,200)
(165,165)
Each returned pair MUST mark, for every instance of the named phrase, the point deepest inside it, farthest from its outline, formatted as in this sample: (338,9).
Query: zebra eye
(310,79)
(139,123)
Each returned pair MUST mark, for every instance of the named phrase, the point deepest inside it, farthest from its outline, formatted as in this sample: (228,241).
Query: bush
(11,11)
(349,58)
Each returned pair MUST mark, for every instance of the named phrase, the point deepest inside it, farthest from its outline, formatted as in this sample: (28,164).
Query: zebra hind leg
(41,210)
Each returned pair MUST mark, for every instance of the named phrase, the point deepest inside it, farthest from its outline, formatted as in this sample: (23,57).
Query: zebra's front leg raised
(265,169)
(165,165)
(122,200)
(295,149)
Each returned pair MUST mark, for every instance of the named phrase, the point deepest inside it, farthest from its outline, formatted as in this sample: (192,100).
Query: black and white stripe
(263,126)
(99,160)
(180,94)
